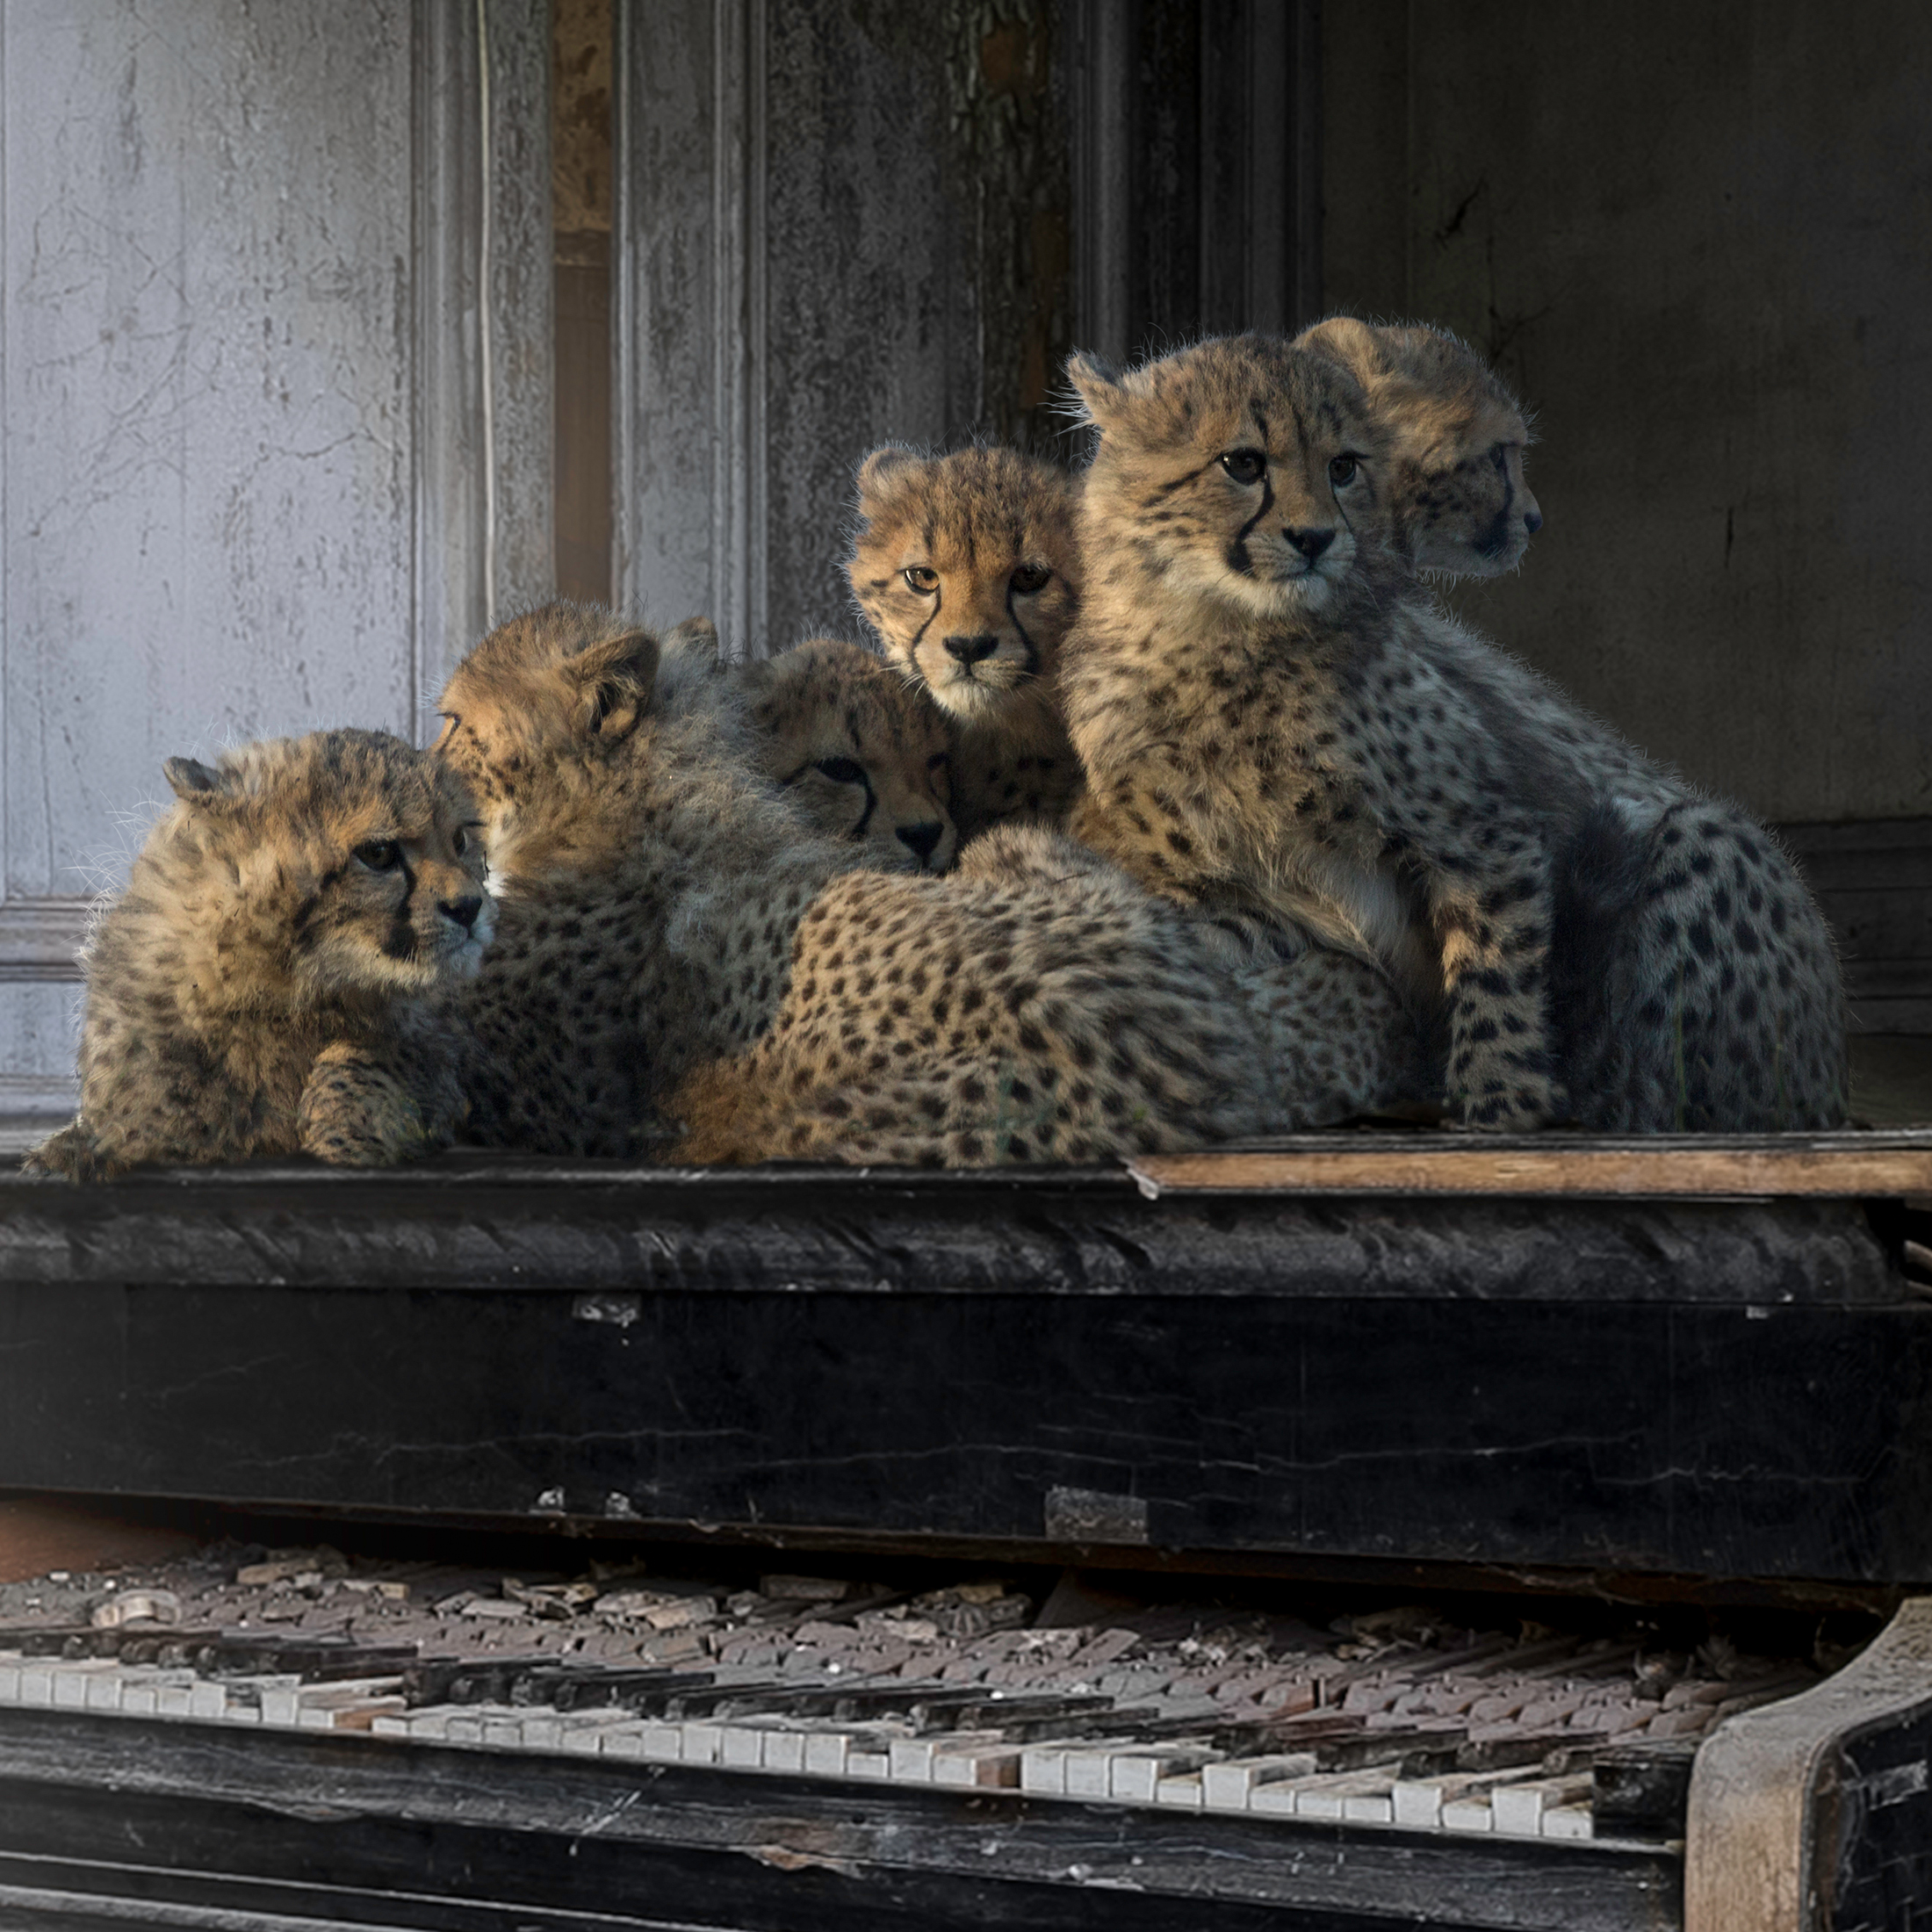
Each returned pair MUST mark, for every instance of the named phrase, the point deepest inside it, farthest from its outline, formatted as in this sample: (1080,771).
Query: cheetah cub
(1268,720)
(861,752)
(649,878)
(1038,1005)
(967,567)
(270,980)
(1456,442)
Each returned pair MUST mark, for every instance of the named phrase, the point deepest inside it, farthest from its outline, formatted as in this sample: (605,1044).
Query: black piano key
(464,1679)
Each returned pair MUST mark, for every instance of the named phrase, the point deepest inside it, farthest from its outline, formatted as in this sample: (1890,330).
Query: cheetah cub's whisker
(1273,717)
(967,567)
(861,752)
(273,979)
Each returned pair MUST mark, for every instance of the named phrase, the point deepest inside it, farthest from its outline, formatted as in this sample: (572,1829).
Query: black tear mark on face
(1032,666)
(1239,560)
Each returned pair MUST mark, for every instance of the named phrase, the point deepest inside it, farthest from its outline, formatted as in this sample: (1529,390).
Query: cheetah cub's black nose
(463,912)
(971,650)
(1310,543)
(922,839)
(1532,520)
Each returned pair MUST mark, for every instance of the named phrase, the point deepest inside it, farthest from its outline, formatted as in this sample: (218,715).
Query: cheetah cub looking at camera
(271,981)
(967,567)
(861,752)
(1272,718)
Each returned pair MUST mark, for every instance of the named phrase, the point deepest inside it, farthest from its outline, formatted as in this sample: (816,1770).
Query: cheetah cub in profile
(271,979)
(967,566)
(1456,442)
(861,752)
(1269,721)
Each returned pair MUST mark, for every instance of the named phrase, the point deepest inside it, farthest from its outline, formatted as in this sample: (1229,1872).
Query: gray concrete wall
(1699,239)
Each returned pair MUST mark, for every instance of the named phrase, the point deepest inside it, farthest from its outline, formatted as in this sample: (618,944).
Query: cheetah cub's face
(1242,471)
(346,864)
(568,681)
(861,751)
(967,566)
(1456,438)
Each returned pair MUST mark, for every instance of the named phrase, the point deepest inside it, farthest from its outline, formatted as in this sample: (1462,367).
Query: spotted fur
(967,567)
(272,980)
(861,752)
(1038,1005)
(1456,438)
(649,878)
(1272,719)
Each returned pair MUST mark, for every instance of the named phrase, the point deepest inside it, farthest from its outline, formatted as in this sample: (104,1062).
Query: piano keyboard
(1402,1722)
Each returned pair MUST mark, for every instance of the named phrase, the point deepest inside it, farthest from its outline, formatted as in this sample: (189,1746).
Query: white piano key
(874,1763)
(985,1767)
(661,1741)
(784,1750)
(207,1699)
(1516,1810)
(71,1680)
(1470,1811)
(503,1730)
(700,1744)
(825,1753)
(1572,1822)
(1227,1784)
(625,1741)
(1329,1796)
(1135,1774)
(741,1746)
(1182,1791)
(10,1678)
(1043,1769)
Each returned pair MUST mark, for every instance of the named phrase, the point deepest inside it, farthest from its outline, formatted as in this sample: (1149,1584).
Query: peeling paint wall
(1700,241)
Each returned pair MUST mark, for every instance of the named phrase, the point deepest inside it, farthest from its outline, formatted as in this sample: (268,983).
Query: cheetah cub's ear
(614,679)
(193,781)
(881,464)
(1103,392)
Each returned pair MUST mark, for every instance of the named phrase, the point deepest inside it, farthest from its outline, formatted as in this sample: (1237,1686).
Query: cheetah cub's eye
(845,771)
(379,854)
(921,581)
(461,841)
(1245,467)
(1342,470)
(1029,578)
(1500,456)
(938,761)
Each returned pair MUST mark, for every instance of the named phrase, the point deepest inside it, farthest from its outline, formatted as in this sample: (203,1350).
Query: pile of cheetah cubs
(1174,810)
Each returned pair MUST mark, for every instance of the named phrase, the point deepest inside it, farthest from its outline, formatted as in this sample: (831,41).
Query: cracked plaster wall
(1701,242)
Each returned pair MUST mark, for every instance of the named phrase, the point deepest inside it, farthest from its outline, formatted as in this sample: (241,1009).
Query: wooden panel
(1845,1165)
(1729,1390)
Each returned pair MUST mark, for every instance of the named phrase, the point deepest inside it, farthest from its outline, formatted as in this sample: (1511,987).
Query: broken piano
(1478,1385)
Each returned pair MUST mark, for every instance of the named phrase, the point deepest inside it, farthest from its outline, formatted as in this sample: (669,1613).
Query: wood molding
(483,388)
(1840,1165)
(40,939)
(1788,1827)
(689,279)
